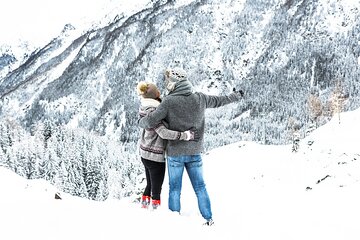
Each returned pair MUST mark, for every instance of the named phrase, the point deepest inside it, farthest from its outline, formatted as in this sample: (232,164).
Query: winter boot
(209,222)
(145,201)
(155,204)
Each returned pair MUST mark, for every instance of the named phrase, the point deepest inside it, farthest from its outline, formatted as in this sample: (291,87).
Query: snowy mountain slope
(257,192)
(25,33)
(276,51)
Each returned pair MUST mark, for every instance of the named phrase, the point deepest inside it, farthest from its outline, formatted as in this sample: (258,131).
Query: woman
(152,145)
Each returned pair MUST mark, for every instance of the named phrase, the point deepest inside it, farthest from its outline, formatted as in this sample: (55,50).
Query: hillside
(257,192)
(279,52)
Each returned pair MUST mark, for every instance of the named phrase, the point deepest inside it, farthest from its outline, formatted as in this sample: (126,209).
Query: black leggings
(155,173)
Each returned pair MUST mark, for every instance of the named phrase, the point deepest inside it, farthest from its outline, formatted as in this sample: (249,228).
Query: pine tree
(294,133)
(51,159)
(4,145)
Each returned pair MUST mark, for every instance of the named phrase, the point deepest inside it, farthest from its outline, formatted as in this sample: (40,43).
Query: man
(182,110)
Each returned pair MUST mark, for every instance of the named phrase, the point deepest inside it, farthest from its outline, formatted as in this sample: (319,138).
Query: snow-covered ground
(257,192)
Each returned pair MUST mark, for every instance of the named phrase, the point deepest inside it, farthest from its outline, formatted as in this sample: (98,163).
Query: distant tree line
(75,161)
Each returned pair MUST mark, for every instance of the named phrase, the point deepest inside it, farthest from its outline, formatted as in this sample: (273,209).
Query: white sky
(257,192)
(38,21)
(38,18)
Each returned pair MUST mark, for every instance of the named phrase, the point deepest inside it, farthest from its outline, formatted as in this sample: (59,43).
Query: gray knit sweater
(152,141)
(182,110)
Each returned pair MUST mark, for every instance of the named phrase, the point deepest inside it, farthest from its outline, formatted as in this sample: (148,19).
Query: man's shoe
(209,222)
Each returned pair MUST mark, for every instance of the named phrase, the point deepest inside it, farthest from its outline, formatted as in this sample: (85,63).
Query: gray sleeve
(168,134)
(218,101)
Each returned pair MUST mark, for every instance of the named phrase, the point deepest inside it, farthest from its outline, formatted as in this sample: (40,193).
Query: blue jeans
(193,165)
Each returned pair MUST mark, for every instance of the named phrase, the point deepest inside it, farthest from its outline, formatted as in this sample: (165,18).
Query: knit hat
(172,76)
(148,90)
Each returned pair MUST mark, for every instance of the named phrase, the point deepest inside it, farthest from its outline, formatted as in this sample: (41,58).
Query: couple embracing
(175,126)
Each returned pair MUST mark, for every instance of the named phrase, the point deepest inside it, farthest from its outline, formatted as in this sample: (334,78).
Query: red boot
(155,204)
(145,201)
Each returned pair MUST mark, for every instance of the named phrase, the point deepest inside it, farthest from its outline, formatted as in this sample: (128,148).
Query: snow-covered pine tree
(4,145)
(294,133)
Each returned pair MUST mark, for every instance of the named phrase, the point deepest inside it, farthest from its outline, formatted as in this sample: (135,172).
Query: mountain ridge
(257,46)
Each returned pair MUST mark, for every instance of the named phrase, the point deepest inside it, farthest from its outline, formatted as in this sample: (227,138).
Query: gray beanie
(172,76)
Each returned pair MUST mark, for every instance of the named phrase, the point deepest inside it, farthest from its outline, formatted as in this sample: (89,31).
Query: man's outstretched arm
(218,101)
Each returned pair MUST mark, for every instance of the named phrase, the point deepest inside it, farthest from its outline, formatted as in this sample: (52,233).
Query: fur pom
(148,90)
(142,88)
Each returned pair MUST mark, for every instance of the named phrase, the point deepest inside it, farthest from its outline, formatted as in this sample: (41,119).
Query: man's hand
(240,92)
(192,135)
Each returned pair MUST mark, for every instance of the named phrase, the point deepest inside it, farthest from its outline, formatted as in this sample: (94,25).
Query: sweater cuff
(182,136)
